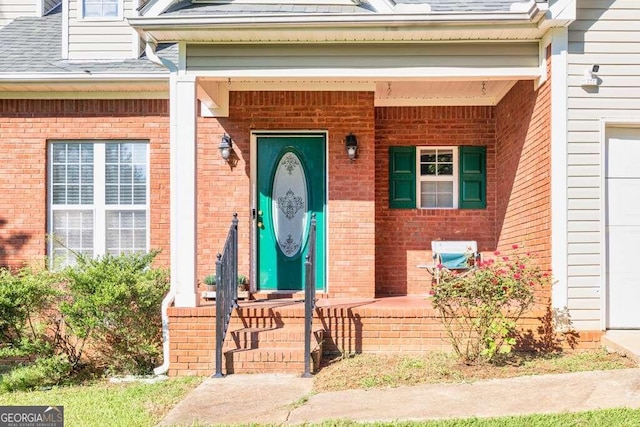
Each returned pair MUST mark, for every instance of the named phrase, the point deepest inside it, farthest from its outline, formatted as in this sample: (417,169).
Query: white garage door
(622,180)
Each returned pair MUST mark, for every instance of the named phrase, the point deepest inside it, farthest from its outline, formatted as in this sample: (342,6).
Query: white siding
(101,39)
(607,34)
(230,58)
(12,9)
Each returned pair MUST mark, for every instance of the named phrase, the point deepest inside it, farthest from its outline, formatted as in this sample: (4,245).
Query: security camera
(595,68)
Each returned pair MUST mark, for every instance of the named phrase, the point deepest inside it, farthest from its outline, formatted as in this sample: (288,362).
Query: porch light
(225,147)
(351,144)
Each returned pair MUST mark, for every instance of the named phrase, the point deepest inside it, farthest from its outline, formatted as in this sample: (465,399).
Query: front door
(291,186)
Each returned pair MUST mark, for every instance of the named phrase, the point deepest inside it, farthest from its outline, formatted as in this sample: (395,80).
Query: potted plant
(210,282)
(243,287)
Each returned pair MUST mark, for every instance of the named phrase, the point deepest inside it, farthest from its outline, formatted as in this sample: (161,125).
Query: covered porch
(416,100)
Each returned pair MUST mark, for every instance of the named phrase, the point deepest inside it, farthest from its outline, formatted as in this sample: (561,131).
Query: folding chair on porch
(459,256)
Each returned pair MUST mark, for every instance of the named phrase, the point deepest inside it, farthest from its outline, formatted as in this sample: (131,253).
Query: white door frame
(253,176)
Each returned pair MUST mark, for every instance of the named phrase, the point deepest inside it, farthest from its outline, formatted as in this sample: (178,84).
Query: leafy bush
(102,313)
(112,306)
(44,372)
(479,308)
(25,300)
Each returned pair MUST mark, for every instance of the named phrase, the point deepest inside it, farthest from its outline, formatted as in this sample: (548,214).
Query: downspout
(150,51)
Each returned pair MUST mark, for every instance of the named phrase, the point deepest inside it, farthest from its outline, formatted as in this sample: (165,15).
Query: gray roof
(34,45)
(186,8)
(203,9)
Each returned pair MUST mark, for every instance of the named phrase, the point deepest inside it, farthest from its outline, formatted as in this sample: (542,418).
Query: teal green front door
(291,186)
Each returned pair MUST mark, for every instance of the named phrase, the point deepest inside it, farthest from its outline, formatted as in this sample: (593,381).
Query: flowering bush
(480,307)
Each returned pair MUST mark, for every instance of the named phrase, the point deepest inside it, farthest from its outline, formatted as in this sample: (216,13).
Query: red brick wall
(523,141)
(25,127)
(223,190)
(403,236)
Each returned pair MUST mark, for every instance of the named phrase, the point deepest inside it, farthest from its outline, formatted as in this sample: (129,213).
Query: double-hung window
(98,199)
(437,177)
(101,9)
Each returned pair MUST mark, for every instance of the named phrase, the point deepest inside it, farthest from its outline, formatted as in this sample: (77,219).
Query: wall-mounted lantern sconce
(225,147)
(351,144)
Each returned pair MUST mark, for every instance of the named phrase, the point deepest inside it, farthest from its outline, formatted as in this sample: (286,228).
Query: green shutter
(473,177)
(402,177)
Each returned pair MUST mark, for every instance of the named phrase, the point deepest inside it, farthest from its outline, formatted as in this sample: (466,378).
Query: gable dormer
(12,9)
(97,29)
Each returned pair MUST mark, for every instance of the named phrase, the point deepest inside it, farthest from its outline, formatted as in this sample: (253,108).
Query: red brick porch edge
(349,329)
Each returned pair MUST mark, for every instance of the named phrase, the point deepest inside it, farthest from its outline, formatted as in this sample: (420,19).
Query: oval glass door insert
(289,204)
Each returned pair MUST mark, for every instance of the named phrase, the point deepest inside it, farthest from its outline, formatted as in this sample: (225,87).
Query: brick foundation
(407,325)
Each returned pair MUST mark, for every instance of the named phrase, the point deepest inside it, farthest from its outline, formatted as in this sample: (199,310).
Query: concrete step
(623,341)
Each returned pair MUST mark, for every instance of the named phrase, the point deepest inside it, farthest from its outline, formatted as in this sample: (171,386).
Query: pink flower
(432,292)
(514,247)
(505,258)
(522,266)
(496,253)
(439,266)
(517,276)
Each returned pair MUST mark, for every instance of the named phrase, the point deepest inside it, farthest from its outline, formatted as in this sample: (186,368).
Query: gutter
(295,20)
(78,77)
(150,51)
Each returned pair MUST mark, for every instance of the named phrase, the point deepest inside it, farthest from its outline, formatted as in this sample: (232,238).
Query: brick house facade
(494,95)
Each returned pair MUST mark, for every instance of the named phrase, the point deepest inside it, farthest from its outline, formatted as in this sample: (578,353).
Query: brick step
(277,360)
(284,337)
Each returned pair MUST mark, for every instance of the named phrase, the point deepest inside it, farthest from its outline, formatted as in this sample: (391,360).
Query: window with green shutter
(473,178)
(402,177)
(437,177)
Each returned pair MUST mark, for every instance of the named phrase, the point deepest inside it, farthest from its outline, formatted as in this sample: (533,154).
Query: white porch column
(559,161)
(183,189)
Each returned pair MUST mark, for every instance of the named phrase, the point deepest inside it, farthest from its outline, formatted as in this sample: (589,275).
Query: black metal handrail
(226,289)
(309,296)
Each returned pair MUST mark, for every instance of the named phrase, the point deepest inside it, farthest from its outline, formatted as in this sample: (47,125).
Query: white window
(437,177)
(101,9)
(98,199)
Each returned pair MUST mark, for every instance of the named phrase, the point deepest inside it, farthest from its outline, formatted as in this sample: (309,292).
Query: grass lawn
(137,404)
(607,417)
(105,404)
(380,370)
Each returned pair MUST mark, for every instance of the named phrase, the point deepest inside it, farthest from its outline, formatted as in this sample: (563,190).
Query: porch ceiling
(389,93)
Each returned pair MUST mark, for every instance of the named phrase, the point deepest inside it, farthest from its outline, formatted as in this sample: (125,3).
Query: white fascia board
(147,23)
(387,74)
(156,7)
(78,77)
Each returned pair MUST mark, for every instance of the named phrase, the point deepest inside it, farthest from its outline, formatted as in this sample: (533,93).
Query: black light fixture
(225,147)
(351,144)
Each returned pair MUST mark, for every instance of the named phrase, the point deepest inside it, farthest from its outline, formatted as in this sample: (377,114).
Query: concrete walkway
(287,399)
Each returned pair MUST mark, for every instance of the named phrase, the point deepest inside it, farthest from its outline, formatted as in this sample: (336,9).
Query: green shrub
(112,306)
(26,300)
(479,308)
(44,372)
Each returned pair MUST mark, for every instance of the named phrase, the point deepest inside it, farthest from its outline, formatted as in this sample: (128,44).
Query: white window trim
(99,207)
(420,178)
(81,16)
